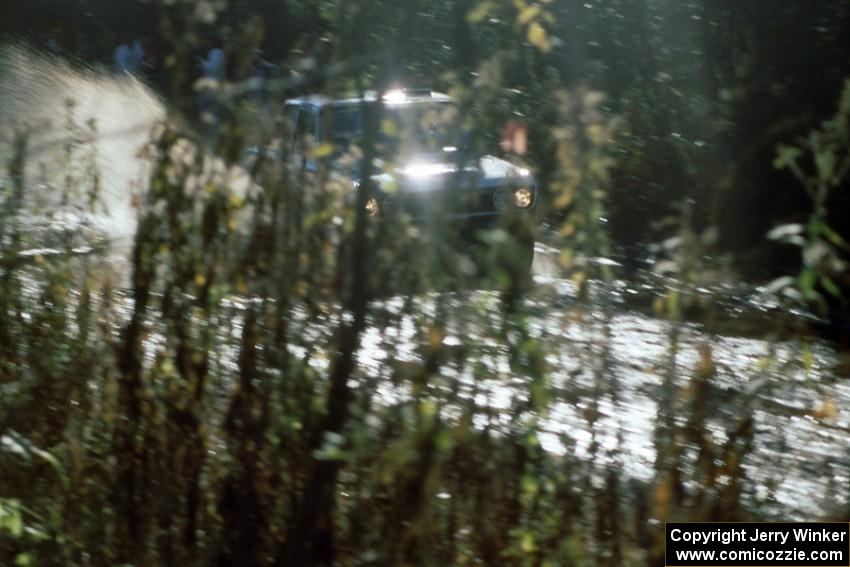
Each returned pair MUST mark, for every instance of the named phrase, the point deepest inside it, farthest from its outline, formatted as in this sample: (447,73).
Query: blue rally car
(422,168)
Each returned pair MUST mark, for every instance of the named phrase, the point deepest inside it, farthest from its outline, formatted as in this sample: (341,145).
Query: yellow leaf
(596,133)
(564,200)
(323,150)
(302,289)
(663,494)
(200,280)
(706,361)
(388,127)
(527,543)
(537,37)
(529,14)
(236,201)
(673,304)
(60,291)
(808,357)
(435,337)
(480,12)
(579,279)
(428,408)
(764,363)
(827,410)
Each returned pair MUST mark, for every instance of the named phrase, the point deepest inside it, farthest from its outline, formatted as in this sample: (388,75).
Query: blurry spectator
(212,66)
(213,72)
(152,63)
(514,138)
(261,72)
(52,43)
(128,56)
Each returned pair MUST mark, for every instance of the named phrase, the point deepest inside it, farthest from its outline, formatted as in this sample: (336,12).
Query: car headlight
(523,197)
(372,206)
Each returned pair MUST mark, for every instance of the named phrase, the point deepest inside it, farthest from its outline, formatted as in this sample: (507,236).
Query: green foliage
(280,380)
(824,250)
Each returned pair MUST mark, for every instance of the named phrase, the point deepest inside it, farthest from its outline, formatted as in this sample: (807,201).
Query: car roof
(391,98)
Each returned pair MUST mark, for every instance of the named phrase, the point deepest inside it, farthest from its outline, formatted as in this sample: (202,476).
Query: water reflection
(605,366)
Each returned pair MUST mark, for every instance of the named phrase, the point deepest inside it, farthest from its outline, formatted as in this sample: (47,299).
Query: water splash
(78,117)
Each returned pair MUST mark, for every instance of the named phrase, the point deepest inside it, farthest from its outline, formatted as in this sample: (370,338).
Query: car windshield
(409,128)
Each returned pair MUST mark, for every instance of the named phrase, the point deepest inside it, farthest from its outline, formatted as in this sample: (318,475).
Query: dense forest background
(277,380)
(707,90)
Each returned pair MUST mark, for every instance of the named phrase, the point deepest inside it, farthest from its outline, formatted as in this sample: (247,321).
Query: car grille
(449,202)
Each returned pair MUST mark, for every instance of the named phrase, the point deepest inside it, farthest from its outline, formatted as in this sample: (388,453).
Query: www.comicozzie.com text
(743,534)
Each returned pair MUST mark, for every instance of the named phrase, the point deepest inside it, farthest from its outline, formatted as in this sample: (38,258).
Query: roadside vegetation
(270,377)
